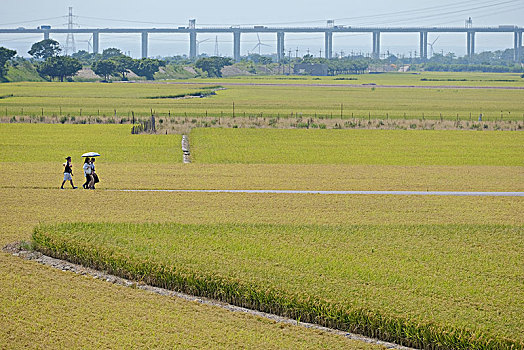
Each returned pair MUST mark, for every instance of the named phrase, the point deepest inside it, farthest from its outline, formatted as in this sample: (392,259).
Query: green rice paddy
(277,97)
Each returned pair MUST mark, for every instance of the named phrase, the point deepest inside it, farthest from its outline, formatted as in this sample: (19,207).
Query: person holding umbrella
(89,170)
(93,172)
(68,173)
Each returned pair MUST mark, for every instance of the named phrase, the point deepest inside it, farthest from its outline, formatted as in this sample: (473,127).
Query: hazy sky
(163,13)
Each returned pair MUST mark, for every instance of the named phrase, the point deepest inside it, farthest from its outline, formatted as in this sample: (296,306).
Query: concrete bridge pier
(46,35)
(280,46)
(424,45)
(192,45)
(96,42)
(470,43)
(376,45)
(328,43)
(236,46)
(144,44)
(517,46)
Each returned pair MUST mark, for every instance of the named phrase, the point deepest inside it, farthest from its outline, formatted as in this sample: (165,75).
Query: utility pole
(70,46)
(216,47)
(289,70)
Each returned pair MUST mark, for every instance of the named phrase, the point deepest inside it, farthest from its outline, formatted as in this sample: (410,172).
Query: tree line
(50,64)
(343,65)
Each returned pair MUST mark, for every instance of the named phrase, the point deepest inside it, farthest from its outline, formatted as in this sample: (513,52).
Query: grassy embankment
(318,102)
(23,71)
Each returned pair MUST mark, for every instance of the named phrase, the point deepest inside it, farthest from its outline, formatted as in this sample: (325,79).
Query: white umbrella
(91,154)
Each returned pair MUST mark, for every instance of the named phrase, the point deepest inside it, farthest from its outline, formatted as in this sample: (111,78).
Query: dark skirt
(89,177)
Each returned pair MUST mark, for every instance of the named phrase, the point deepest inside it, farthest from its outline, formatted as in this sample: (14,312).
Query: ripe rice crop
(364,147)
(51,142)
(47,308)
(33,297)
(428,286)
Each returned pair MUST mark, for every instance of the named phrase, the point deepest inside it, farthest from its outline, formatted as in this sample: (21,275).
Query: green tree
(45,49)
(59,67)
(147,67)
(84,56)
(104,68)
(123,64)
(5,56)
(255,57)
(265,60)
(213,65)
(111,52)
(308,59)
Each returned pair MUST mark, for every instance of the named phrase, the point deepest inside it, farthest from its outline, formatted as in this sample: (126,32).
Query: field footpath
(17,250)
(367,86)
(401,193)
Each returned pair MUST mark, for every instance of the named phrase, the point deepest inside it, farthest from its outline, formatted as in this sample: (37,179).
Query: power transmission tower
(216,47)
(70,41)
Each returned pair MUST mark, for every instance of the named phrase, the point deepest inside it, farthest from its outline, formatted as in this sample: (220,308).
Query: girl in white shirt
(88,172)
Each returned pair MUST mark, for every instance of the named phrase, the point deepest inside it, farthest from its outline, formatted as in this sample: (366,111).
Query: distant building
(311,69)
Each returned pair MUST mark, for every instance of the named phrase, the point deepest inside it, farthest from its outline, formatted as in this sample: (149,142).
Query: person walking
(88,172)
(93,173)
(68,173)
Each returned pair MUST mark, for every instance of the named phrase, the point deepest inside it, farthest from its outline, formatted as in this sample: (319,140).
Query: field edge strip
(310,310)
(404,193)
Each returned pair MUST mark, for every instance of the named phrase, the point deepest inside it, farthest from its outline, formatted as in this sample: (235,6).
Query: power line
(126,20)
(21,39)
(451,14)
(32,21)
(419,13)
(463,5)
(511,9)
(431,9)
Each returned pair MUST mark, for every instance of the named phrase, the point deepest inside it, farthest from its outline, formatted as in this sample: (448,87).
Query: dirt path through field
(404,193)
